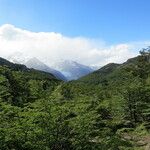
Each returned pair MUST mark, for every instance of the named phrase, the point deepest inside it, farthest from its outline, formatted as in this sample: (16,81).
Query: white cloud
(50,46)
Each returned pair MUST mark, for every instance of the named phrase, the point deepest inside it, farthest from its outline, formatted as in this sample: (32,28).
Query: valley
(108,109)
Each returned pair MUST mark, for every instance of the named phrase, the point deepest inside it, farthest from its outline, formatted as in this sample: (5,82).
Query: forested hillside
(108,109)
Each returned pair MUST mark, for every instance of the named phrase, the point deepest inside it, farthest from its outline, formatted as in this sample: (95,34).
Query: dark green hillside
(106,110)
(113,77)
(19,85)
(100,75)
(120,94)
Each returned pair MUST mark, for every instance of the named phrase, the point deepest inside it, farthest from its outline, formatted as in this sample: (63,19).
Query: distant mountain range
(64,70)
(71,69)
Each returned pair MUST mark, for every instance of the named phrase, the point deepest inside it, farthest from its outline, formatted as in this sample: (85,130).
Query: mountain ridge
(65,69)
(72,69)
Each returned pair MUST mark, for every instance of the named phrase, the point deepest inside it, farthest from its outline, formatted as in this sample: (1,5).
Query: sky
(92,32)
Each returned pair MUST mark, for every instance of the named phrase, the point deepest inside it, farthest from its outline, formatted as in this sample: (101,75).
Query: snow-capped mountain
(37,64)
(32,62)
(64,69)
(19,58)
(71,69)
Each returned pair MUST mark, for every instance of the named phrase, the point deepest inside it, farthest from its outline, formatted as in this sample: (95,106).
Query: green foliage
(20,87)
(106,110)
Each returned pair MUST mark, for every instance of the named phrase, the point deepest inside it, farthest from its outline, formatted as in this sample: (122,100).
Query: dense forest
(108,109)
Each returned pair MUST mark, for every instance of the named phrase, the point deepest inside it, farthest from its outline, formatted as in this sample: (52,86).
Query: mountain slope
(71,69)
(19,85)
(37,64)
(32,62)
(120,94)
(107,109)
(64,70)
(18,58)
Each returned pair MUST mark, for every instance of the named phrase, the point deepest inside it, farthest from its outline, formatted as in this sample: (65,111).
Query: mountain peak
(18,57)
(63,69)
(72,69)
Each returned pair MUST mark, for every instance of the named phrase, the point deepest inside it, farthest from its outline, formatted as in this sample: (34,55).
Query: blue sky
(91,32)
(114,21)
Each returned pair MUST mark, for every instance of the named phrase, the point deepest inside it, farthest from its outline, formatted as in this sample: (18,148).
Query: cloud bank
(50,47)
